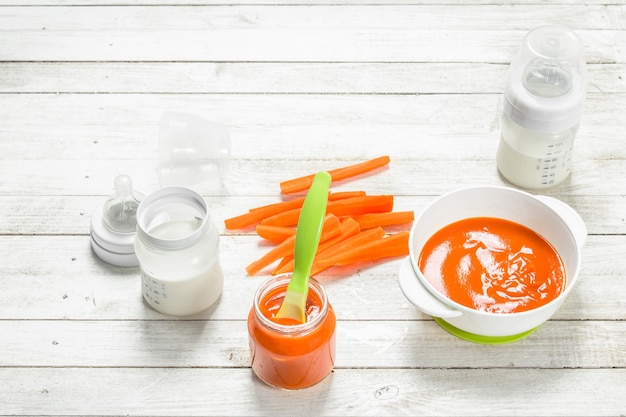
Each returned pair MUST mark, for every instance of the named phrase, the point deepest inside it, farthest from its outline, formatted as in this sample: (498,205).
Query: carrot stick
(297,202)
(371,220)
(281,205)
(285,219)
(345,207)
(260,213)
(279,251)
(353,241)
(356,240)
(337,174)
(392,245)
(348,228)
(331,228)
(275,234)
(256,214)
(360,205)
(286,262)
(345,194)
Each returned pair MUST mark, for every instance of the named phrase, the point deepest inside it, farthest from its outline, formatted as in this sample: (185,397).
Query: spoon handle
(309,230)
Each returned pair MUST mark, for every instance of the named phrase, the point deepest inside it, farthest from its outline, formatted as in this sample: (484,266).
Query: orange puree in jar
(286,353)
(493,265)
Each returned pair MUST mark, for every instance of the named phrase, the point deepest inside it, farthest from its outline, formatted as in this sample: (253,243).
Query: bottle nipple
(120,209)
(553,52)
(546,78)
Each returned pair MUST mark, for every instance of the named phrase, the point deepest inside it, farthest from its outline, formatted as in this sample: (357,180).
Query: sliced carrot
(350,242)
(279,251)
(339,195)
(371,220)
(353,241)
(257,214)
(286,262)
(360,205)
(285,219)
(275,234)
(393,245)
(331,228)
(349,227)
(337,174)
(280,206)
(345,207)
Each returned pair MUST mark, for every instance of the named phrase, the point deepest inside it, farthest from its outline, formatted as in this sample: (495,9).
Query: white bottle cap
(546,85)
(113,225)
(112,247)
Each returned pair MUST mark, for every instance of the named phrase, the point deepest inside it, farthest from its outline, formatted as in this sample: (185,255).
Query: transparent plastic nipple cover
(549,74)
(120,210)
(546,84)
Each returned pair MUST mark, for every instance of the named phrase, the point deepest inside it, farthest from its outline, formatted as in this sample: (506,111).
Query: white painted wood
(380,344)
(275,78)
(318,33)
(350,392)
(301,87)
(312,16)
(429,127)
(316,45)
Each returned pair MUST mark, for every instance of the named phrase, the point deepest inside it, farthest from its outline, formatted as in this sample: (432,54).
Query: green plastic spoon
(308,235)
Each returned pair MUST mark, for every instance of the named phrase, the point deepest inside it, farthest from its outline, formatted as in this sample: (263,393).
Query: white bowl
(557,222)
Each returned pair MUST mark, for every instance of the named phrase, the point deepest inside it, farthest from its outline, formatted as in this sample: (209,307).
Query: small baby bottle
(177,245)
(542,107)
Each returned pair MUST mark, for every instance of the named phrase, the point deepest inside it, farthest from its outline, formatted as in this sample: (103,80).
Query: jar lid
(113,225)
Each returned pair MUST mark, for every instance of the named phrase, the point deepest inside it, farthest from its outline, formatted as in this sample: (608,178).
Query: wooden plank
(358,392)
(59,277)
(416,127)
(294,2)
(360,344)
(312,45)
(255,77)
(392,17)
(257,33)
(274,78)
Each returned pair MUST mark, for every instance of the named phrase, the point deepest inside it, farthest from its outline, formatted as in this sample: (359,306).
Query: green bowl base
(485,340)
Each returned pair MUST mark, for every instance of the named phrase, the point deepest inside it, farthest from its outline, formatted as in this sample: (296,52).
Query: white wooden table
(301,88)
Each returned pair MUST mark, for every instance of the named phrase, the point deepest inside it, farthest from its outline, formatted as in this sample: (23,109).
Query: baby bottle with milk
(542,107)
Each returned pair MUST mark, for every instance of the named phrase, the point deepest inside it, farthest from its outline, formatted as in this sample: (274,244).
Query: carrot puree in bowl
(492,265)
(289,354)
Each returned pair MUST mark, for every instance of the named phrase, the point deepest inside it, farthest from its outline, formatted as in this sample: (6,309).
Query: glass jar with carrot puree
(290,354)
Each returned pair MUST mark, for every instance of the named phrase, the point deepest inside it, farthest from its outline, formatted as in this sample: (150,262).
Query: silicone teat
(120,210)
(554,54)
